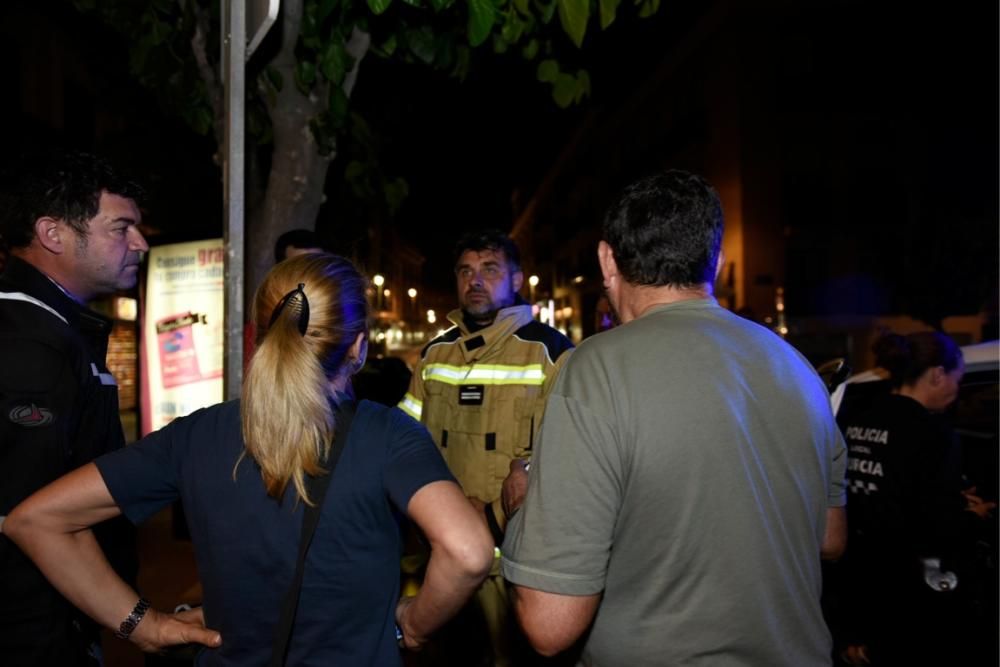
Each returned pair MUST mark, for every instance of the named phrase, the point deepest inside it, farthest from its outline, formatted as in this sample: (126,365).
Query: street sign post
(239,19)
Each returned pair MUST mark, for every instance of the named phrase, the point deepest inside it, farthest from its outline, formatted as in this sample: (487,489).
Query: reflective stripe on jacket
(481,394)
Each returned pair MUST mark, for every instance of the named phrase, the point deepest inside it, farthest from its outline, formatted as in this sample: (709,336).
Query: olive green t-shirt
(684,469)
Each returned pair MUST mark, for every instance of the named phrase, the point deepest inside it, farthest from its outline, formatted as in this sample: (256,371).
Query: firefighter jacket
(481,395)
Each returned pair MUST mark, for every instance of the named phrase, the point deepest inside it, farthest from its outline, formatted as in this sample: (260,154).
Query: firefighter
(480,389)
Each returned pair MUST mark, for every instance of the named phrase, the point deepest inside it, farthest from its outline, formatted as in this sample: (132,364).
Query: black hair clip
(303,309)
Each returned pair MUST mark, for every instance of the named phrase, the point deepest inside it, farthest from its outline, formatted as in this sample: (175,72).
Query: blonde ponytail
(286,406)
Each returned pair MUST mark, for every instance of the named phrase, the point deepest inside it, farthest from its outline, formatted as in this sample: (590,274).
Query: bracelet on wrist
(132,620)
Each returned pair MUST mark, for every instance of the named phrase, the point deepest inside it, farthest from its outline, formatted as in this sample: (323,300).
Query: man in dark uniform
(70,223)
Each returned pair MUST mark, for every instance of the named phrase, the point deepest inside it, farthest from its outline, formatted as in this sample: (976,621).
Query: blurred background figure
(383,380)
(296,242)
(907,583)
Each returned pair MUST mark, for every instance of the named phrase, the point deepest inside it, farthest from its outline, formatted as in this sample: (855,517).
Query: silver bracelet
(132,620)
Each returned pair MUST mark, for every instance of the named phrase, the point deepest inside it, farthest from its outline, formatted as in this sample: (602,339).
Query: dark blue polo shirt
(246,542)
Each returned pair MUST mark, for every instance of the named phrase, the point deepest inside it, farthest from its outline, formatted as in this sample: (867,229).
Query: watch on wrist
(132,620)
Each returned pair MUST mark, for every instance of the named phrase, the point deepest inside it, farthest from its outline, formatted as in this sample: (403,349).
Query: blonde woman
(241,467)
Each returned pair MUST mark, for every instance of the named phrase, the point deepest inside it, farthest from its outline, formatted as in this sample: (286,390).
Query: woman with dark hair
(244,470)
(905,508)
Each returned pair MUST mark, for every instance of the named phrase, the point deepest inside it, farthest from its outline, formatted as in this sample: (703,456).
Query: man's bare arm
(835,537)
(553,622)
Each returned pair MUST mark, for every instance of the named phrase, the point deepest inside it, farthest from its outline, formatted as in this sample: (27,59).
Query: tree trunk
(298,172)
(297,177)
(294,192)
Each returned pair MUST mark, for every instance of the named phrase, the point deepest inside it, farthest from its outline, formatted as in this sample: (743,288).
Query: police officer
(905,584)
(70,223)
(480,389)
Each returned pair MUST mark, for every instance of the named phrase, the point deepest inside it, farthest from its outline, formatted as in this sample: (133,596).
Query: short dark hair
(489,239)
(908,357)
(297,238)
(64,185)
(666,230)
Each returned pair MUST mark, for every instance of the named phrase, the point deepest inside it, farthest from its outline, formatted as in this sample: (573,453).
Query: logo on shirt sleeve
(31,416)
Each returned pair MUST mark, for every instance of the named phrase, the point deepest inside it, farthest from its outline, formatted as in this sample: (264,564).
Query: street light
(532,283)
(379,280)
(412,293)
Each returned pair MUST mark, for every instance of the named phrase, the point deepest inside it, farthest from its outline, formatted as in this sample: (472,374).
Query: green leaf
(444,57)
(338,107)
(548,70)
(463,60)
(573,14)
(649,7)
(360,132)
(481,17)
(354,171)
(309,27)
(335,61)
(546,10)
(609,9)
(530,50)
(421,44)
(512,29)
(413,3)
(379,6)
(523,7)
(275,78)
(395,194)
(202,121)
(564,90)
(386,48)
(324,8)
(326,141)
(305,76)
(441,5)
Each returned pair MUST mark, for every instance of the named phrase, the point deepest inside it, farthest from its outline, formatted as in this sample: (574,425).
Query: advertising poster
(182,331)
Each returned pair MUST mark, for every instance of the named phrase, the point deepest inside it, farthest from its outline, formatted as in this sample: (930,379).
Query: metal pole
(234,69)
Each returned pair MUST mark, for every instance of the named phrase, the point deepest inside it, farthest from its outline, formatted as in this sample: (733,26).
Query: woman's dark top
(246,542)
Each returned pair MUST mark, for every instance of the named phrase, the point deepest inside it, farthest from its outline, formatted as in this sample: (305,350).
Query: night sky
(474,152)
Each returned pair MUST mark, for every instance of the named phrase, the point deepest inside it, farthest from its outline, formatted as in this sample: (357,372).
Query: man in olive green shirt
(689,472)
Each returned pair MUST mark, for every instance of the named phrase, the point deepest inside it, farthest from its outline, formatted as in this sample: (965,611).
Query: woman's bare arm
(53,528)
